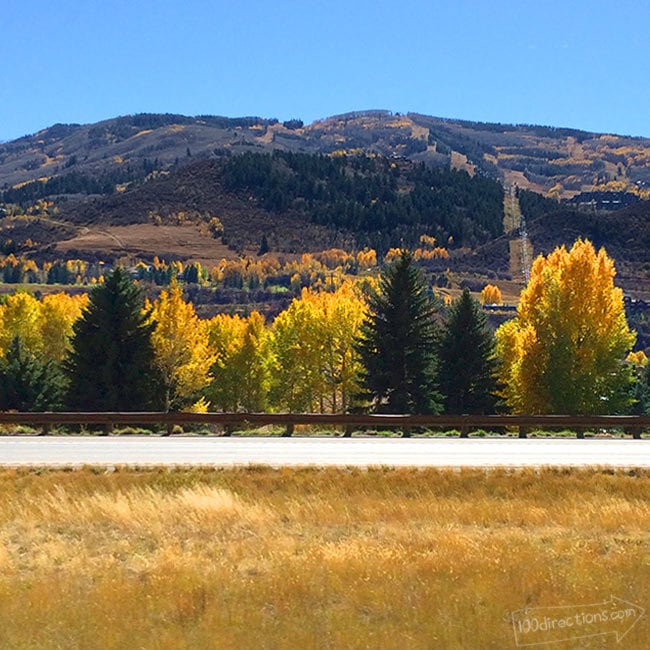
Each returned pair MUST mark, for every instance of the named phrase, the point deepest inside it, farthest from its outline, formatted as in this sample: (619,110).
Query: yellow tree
(252,363)
(298,381)
(45,327)
(242,366)
(565,351)
(342,313)
(59,311)
(20,316)
(180,342)
(491,295)
(367,258)
(317,366)
(225,337)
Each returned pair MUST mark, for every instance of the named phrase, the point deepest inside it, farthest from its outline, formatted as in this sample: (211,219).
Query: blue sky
(562,63)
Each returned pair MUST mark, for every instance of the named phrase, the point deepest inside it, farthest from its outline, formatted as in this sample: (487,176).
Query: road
(438,452)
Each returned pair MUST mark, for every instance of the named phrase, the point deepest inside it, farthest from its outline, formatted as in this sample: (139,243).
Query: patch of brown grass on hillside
(512,177)
(343,558)
(146,240)
(459,161)
(510,290)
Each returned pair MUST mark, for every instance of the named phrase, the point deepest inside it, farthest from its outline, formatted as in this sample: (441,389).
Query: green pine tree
(466,358)
(641,391)
(398,342)
(111,366)
(645,391)
(28,384)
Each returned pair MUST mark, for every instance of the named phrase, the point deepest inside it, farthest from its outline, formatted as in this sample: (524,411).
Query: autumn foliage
(316,366)
(180,346)
(565,351)
(491,295)
(44,326)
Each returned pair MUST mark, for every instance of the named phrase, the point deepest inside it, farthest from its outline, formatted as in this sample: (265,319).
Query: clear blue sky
(562,63)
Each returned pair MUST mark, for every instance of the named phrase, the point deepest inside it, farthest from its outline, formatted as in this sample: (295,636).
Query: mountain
(89,159)
(210,187)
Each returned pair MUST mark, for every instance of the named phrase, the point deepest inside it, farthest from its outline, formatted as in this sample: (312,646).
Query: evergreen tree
(641,391)
(645,391)
(397,343)
(264,246)
(466,357)
(26,383)
(111,366)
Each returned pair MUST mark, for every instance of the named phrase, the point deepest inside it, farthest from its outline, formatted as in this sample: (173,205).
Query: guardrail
(633,424)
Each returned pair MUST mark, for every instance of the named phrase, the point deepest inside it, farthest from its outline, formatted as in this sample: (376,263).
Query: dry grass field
(313,558)
(146,240)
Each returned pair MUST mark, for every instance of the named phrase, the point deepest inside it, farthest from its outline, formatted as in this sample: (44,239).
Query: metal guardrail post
(636,432)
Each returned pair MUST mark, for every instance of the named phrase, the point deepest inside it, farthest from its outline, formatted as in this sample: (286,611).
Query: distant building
(604,200)
(498,308)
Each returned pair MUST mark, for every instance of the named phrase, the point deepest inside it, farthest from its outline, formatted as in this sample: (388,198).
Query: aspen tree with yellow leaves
(491,295)
(317,367)
(565,351)
(34,338)
(181,351)
(242,363)
(253,363)
(298,346)
(59,311)
(367,258)
(225,337)
(44,326)
(20,316)
(341,314)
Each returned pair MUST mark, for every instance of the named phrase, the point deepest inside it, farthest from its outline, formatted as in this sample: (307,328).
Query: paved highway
(440,452)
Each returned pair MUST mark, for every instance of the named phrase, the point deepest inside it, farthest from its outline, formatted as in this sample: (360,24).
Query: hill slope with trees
(302,202)
(369,178)
(93,158)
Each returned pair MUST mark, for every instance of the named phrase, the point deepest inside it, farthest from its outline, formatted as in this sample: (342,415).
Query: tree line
(266,270)
(384,344)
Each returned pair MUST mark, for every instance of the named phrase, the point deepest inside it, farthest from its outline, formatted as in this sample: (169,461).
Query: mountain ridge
(555,161)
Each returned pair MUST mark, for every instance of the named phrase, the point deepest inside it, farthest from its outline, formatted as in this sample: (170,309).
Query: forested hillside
(302,202)
(625,234)
(381,202)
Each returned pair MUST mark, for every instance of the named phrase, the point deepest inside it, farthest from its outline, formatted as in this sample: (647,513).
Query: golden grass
(313,558)
(184,241)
